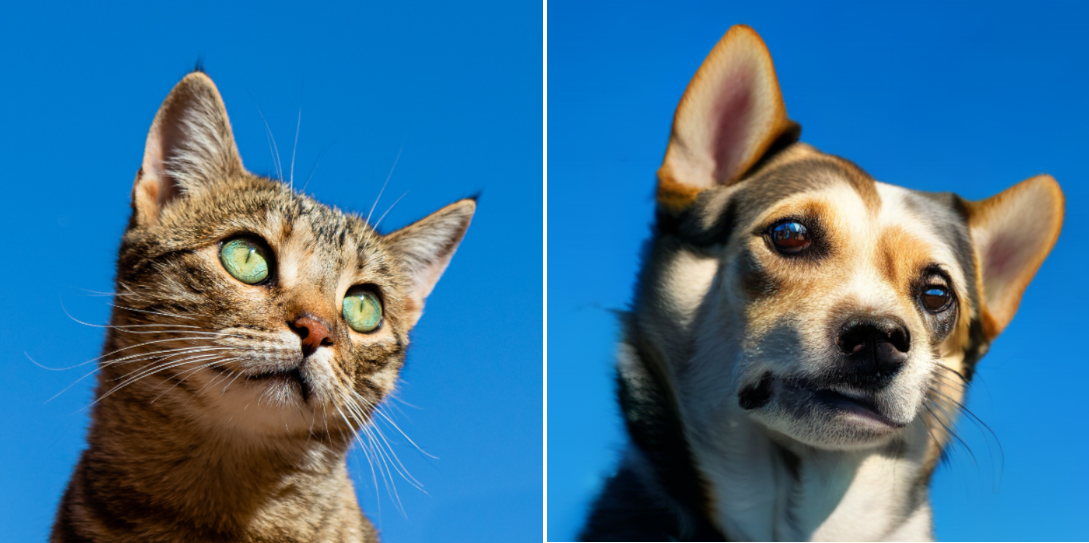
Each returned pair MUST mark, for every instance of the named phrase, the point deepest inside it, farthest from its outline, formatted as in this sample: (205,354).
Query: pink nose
(313,333)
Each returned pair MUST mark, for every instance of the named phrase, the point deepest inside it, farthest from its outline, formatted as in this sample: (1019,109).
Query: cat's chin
(292,379)
(292,400)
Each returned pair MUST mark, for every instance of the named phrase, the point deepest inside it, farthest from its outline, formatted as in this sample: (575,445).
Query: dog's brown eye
(936,298)
(790,237)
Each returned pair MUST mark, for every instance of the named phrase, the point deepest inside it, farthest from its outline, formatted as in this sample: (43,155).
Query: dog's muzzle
(874,349)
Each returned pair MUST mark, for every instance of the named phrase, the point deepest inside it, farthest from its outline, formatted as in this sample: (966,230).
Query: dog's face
(805,296)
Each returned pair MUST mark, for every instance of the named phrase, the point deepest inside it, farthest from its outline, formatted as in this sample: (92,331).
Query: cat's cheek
(385,379)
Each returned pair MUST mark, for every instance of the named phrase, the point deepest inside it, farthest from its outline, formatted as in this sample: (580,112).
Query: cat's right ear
(190,145)
(426,247)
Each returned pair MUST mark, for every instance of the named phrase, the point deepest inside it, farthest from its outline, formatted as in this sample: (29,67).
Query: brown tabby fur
(210,422)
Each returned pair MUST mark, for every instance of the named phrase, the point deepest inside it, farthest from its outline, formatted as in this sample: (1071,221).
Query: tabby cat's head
(243,304)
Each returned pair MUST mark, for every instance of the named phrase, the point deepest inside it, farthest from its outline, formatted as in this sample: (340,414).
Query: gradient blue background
(457,85)
(971,98)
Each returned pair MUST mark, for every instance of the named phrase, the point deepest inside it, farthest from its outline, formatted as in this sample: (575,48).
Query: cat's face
(249,307)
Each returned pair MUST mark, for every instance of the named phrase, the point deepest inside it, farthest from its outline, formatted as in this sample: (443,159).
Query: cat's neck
(188,474)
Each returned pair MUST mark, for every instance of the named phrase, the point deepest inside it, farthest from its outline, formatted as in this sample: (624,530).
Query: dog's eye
(790,237)
(936,298)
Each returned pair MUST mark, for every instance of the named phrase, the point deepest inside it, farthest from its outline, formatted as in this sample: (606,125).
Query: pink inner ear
(731,114)
(1002,257)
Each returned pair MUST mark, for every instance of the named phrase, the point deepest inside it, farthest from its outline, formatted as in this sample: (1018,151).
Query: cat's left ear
(190,145)
(427,245)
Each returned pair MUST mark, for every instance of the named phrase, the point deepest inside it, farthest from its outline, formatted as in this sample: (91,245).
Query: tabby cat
(254,331)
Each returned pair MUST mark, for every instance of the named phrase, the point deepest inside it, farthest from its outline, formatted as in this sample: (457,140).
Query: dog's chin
(824,415)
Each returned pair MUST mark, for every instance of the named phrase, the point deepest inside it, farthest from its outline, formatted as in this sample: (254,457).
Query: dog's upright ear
(730,114)
(1013,231)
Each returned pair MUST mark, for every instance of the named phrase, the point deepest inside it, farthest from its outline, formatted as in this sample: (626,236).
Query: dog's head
(788,286)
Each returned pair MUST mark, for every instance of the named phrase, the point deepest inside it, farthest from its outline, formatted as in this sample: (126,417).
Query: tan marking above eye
(900,255)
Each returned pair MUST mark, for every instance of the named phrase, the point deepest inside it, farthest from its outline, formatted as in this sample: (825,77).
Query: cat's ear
(426,246)
(189,146)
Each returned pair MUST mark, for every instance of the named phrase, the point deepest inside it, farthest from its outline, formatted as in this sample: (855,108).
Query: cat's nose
(313,333)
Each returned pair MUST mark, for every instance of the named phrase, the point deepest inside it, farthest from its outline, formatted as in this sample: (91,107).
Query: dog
(801,336)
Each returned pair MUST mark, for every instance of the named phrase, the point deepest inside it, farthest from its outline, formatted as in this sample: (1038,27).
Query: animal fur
(742,413)
(211,422)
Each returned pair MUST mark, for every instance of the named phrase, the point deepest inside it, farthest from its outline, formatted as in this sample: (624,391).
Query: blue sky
(455,88)
(970,98)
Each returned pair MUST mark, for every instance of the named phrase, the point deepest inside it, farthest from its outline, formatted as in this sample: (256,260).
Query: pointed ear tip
(1047,182)
(468,204)
(747,34)
(194,81)
(742,30)
(1049,188)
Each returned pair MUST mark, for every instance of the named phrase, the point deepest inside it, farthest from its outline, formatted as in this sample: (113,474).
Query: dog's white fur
(782,470)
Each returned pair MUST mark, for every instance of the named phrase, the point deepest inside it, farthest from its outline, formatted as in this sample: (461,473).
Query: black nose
(874,348)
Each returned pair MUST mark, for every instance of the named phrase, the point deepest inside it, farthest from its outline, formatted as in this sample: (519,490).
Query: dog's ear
(1013,231)
(730,114)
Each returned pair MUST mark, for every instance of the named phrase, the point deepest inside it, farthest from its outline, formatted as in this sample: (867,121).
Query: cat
(254,331)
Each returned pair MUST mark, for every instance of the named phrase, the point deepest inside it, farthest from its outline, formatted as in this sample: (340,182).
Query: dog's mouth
(855,404)
(811,397)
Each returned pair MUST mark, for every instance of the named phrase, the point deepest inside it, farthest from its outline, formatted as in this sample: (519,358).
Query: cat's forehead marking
(308,255)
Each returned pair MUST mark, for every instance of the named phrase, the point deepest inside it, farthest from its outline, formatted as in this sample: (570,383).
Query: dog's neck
(763,486)
(769,488)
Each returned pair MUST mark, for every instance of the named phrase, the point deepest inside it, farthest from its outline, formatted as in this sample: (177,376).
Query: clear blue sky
(971,98)
(458,86)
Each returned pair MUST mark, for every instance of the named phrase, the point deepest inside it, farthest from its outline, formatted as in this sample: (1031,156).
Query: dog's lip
(844,399)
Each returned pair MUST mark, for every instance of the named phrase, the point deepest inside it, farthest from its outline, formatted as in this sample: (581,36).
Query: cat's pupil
(245,260)
(362,310)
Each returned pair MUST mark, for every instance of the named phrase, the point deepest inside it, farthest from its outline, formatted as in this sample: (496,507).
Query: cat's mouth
(293,378)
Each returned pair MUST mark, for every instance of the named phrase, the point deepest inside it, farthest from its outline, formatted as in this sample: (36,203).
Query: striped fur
(210,421)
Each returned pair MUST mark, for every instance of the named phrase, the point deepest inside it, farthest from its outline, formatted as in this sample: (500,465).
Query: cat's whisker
(164,363)
(272,148)
(90,292)
(188,373)
(104,363)
(314,167)
(377,461)
(386,182)
(115,327)
(379,221)
(382,444)
(221,377)
(228,385)
(291,176)
(74,383)
(148,311)
(152,369)
(366,452)
(391,484)
(377,409)
(396,461)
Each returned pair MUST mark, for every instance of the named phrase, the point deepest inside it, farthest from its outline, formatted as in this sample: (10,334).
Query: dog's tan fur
(195,435)
(719,312)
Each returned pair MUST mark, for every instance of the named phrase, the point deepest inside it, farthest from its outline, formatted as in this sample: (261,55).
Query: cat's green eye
(245,260)
(362,309)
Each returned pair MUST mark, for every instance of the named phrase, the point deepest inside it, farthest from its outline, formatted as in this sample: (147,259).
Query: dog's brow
(785,179)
